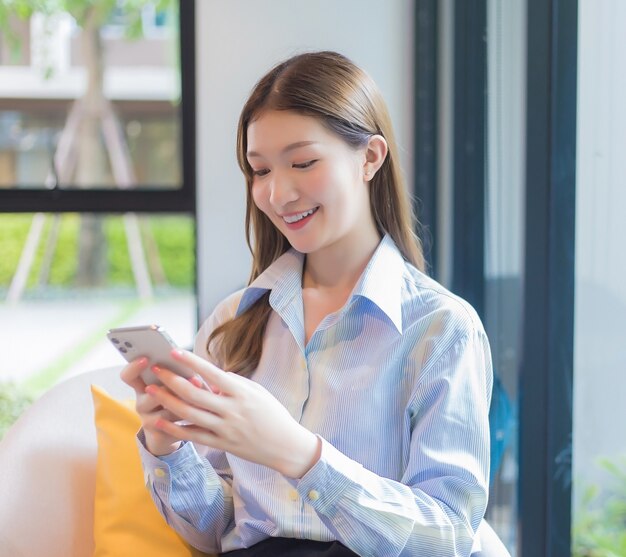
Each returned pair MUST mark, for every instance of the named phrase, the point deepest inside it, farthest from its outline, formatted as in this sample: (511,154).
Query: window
(97,203)
(97,105)
(599,436)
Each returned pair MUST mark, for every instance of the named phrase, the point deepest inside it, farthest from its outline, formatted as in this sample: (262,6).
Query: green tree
(80,156)
(599,528)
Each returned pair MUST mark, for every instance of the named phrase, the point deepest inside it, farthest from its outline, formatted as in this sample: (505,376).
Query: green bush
(13,401)
(13,231)
(65,261)
(600,525)
(173,238)
(119,271)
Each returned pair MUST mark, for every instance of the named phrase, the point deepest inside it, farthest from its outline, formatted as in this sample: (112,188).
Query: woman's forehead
(275,130)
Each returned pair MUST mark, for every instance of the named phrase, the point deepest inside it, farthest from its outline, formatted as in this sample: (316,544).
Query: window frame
(470,142)
(546,368)
(426,128)
(147,199)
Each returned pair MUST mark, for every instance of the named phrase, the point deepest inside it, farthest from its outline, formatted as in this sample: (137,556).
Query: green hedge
(173,237)
(599,528)
(14,399)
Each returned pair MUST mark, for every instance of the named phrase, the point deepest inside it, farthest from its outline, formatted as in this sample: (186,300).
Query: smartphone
(152,342)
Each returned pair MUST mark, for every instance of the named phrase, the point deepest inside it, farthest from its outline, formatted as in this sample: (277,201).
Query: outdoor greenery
(131,10)
(173,236)
(600,525)
(13,401)
(168,241)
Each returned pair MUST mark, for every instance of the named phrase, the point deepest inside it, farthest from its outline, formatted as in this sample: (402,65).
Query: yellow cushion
(126,521)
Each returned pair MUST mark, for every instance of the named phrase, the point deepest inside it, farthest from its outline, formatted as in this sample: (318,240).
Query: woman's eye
(261,172)
(305,164)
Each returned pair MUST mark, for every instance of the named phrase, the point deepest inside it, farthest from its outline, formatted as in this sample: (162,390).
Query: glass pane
(97,94)
(66,279)
(504,233)
(599,437)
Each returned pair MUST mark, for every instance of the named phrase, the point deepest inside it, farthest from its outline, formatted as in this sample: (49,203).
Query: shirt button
(293,495)
(314,495)
(159,472)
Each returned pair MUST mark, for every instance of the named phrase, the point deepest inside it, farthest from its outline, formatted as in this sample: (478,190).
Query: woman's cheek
(317,185)
(259,196)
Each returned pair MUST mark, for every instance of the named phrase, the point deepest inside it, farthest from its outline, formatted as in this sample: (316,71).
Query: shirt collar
(283,277)
(381,281)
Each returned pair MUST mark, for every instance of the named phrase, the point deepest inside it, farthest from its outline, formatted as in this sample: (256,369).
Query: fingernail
(142,361)
(156,369)
(159,423)
(196,381)
(177,353)
(150,389)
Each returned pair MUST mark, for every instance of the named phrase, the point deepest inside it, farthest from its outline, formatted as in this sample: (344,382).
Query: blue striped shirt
(397,384)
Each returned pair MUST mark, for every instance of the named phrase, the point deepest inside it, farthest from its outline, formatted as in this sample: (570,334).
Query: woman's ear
(375,154)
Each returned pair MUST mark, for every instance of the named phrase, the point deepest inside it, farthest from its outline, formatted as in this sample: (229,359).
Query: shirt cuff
(158,470)
(326,482)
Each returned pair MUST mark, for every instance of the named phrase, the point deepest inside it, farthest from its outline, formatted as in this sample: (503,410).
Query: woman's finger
(183,410)
(227,383)
(131,374)
(165,414)
(192,432)
(146,404)
(189,392)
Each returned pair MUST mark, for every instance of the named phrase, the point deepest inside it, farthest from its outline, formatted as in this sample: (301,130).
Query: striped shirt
(397,384)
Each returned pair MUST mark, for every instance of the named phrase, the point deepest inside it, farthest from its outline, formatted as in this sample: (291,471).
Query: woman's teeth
(299,216)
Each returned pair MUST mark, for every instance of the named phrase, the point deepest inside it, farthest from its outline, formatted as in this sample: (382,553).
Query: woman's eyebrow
(290,147)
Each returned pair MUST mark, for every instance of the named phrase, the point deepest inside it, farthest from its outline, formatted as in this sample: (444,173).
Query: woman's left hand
(235,415)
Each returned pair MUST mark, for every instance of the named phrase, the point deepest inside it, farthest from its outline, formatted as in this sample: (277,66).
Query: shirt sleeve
(192,492)
(437,506)
(192,487)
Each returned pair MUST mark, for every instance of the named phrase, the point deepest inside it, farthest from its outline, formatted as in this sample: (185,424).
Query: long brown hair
(328,86)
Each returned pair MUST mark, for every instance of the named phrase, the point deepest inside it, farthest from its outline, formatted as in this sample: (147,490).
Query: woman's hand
(150,411)
(235,415)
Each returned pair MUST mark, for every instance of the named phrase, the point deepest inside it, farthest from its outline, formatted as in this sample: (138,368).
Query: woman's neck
(339,266)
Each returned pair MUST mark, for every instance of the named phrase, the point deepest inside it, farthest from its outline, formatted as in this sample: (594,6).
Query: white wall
(600,305)
(237,42)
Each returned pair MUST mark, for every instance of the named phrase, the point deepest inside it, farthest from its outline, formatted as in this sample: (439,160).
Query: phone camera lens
(128,344)
(122,349)
(115,341)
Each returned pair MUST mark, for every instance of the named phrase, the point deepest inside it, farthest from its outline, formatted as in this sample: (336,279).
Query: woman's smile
(295,221)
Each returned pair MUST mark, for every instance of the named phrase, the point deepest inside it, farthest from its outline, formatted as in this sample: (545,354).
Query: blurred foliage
(126,15)
(599,528)
(13,401)
(175,240)
(128,12)
(13,231)
(173,236)
(119,271)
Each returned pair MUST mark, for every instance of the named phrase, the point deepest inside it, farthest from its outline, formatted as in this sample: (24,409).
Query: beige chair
(47,474)
(48,466)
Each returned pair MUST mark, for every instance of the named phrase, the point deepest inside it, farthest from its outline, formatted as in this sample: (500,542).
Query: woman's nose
(282,191)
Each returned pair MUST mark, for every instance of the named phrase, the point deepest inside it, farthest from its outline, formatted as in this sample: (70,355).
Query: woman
(355,416)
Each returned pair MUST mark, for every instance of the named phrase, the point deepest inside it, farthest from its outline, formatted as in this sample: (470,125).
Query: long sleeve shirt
(397,385)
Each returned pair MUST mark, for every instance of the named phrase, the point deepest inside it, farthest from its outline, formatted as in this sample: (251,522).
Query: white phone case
(152,342)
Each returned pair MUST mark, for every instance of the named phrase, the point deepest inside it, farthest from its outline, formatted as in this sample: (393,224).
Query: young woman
(354,419)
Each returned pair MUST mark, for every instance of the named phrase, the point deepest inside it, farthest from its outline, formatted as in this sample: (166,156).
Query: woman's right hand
(157,442)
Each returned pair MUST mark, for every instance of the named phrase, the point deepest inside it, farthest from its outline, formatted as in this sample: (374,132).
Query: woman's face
(308,181)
